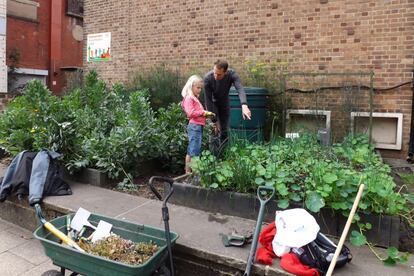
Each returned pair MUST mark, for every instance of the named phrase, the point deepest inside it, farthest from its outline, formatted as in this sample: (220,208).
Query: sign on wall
(98,47)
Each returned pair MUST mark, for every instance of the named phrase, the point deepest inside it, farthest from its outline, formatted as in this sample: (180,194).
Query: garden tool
(234,239)
(102,231)
(68,226)
(209,114)
(346,229)
(52,229)
(80,219)
(165,214)
(264,197)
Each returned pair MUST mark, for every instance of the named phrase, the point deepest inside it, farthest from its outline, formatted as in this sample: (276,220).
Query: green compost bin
(251,130)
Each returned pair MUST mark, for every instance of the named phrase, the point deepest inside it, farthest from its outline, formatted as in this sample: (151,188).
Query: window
(75,8)
(24,9)
(387,128)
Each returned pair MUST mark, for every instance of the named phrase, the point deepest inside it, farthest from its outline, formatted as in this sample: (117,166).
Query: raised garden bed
(384,232)
(385,229)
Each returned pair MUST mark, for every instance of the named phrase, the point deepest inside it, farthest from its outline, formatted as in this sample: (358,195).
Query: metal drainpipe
(411,143)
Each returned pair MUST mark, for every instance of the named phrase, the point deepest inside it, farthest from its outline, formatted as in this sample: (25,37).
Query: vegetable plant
(309,175)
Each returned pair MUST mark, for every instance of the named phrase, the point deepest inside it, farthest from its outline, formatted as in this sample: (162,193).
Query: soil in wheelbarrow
(121,250)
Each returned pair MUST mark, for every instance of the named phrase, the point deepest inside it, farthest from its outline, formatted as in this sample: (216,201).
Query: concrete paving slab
(9,241)
(4,225)
(97,200)
(32,251)
(21,232)
(12,265)
(40,269)
(365,263)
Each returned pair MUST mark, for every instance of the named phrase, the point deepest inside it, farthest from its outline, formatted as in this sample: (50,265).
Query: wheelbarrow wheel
(162,271)
(52,273)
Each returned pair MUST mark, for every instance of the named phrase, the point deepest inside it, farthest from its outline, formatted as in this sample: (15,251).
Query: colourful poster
(98,47)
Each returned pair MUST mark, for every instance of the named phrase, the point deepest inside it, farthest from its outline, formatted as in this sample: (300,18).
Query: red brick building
(310,36)
(44,41)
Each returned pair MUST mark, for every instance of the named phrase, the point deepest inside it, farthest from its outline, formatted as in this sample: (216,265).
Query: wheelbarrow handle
(267,189)
(169,180)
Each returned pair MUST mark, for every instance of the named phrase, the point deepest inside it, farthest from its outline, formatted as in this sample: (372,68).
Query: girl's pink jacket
(194,110)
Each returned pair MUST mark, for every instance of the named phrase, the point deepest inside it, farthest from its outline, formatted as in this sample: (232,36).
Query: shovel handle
(258,227)
(169,180)
(261,189)
(346,229)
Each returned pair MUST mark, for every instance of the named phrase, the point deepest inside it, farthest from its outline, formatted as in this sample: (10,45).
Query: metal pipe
(411,143)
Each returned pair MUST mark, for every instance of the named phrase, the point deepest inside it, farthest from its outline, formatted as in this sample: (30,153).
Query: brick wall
(32,40)
(311,35)
(3,67)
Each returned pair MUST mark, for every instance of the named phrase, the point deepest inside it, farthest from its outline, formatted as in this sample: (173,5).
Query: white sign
(98,47)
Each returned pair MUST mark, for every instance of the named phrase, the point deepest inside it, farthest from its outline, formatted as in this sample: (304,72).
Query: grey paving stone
(12,265)
(21,232)
(96,200)
(40,269)
(32,251)
(9,241)
(4,225)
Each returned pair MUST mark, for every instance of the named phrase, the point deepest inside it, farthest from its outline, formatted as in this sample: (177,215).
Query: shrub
(164,85)
(95,126)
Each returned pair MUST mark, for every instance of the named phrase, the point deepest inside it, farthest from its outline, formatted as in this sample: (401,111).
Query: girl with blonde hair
(196,115)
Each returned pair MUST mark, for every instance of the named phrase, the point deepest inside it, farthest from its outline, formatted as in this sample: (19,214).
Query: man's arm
(242,96)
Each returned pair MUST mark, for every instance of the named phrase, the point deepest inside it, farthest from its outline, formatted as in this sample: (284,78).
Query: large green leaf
(314,202)
(259,181)
(282,189)
(283,203)
(357,238)
(330,178)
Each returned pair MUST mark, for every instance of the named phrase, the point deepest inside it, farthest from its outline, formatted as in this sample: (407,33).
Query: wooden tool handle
(59,234)
(345,232)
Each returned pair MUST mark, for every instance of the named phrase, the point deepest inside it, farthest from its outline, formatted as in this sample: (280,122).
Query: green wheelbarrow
(86,264)
(67,257)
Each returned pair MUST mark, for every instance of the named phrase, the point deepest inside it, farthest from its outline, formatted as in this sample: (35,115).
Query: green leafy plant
(393,256)
(107,128)
(173,138)
(163,83)
(306,174)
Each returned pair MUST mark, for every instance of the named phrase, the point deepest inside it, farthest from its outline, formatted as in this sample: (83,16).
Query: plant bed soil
(142,188)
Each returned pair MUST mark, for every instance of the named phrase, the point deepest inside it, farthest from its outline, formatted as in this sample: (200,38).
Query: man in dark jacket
(217,84)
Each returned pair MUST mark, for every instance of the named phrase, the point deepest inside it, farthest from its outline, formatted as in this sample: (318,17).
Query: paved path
(20,253)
